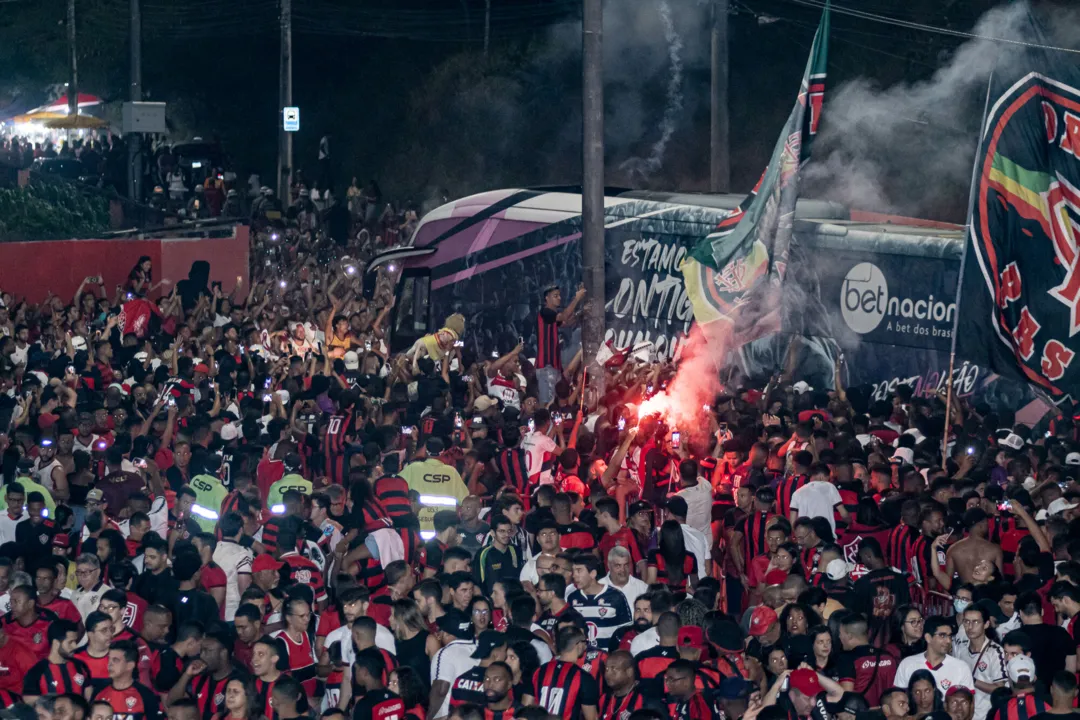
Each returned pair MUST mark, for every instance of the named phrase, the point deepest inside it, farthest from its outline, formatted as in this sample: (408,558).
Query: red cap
(201,368)
(692,636)
(761,619)
(805,681)
(61,540)
(958,689)
(265,562)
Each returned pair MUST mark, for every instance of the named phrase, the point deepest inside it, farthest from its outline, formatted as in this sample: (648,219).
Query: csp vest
(291,481)
(440,488)
(209,495)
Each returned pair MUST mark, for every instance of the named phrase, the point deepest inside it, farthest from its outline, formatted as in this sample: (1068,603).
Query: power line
(927,28)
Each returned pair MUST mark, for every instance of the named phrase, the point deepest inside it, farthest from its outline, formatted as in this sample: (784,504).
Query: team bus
(878,289)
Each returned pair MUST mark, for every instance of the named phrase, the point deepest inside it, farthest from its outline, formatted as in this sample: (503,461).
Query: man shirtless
(967,553)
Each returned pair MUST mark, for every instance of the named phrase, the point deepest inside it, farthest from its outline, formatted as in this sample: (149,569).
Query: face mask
(960,604)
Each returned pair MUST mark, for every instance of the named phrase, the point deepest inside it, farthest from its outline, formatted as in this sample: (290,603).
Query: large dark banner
(1020,298)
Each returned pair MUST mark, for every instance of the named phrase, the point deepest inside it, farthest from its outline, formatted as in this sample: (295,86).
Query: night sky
(409,97)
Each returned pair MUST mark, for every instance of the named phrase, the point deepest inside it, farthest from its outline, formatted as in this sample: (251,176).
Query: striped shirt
(562,689)
(547,339)
(604,613)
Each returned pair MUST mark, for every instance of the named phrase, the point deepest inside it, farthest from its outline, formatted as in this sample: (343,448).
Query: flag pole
(960,281)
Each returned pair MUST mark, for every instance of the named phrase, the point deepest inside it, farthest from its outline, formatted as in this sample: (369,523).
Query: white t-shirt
(695,543)
(7,526)
(449,663)
(949,673)
(699,502)
(642,642)
(817,499)
(235,560)
(539,448)
(633,589)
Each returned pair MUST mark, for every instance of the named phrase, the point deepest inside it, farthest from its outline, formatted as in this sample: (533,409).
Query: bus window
(412,311)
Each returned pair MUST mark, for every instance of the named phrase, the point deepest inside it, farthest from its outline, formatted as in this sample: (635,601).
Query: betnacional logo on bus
(865,301)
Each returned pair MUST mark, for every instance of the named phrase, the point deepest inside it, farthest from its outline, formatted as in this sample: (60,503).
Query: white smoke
(643,168)
(909,148)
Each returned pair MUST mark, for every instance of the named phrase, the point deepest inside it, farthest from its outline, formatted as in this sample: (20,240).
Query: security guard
(292,480)
(439,485)
(209,493)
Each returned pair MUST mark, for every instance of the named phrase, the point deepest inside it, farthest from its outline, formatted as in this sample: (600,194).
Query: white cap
(905,455)
(801,387)
(1059,506)
(1020,666)
(836,569)
(1012,441)
(284,395)
(78,342)
(1072,458)
(230,431)
(352,361)
(141,356)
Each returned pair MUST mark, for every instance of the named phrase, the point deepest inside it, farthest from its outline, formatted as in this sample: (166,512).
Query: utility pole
(285,141)
(592,185)
(73,69)
(719,126)
(487,26)
(135,139)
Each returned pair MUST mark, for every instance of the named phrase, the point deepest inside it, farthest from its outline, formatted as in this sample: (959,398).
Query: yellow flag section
(440,488)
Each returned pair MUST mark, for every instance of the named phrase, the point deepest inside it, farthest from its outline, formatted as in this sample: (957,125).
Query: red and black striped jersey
(562,689)
(136,702)
(98,667)
(547,339)
(305,572)
(593,662)
(263,691)
(1021,707)
(392,492)
(617,707)
(508,714)
(696,708)
(576,536)
(785,490)
(652,664)
(370,573)
(514,470)
(270,531)
(209,694)
(338,428)
(689,567)
(413,545)
(898,549)
(45,678)
(753,528)
(8,698)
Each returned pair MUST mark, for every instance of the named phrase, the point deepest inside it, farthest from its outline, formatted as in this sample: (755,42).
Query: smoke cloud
(643,168)
(909,148)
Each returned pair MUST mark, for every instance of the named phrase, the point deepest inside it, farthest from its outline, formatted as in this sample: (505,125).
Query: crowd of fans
(245,506)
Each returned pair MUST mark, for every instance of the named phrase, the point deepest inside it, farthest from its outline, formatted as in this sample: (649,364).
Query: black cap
(293,461)
(677,506)
(434,446)
(639,506)
(455,623)
(488,641)
(726,635)
(733,688)
(850,703)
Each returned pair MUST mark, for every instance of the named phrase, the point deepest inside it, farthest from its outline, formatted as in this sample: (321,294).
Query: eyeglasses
(944,636)
(481,611)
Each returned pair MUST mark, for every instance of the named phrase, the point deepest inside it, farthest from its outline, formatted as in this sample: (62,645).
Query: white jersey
(950,673)
(45,474)
(235,560)
(987,665)
(539,449)
(506,389)
(7,525)
(449,663)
